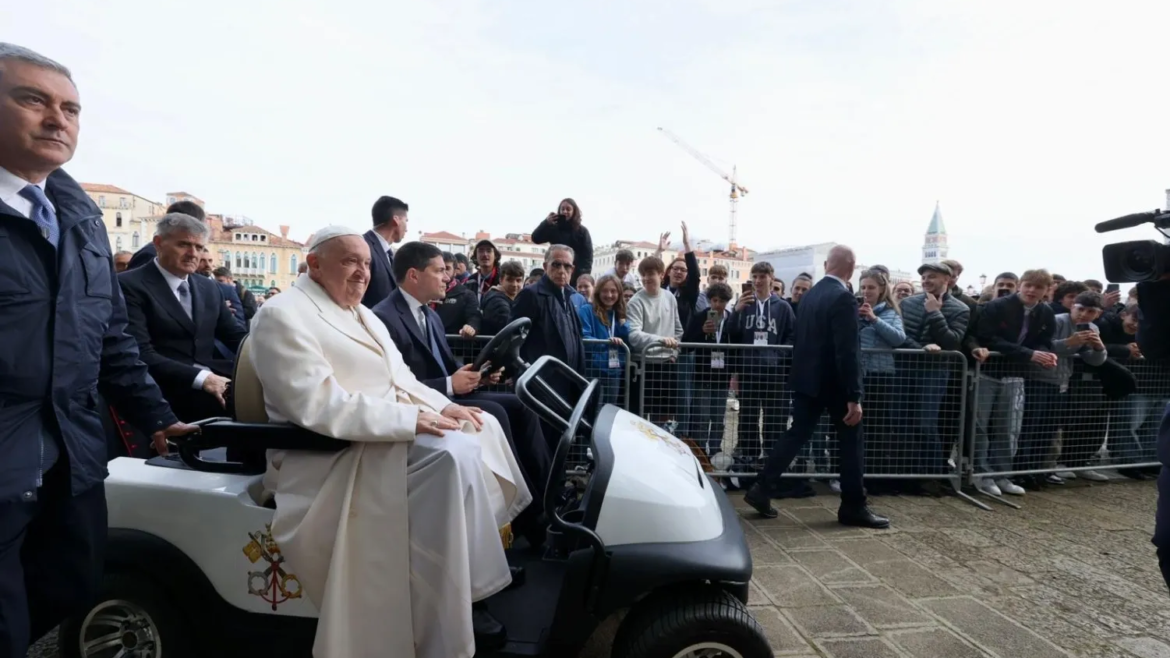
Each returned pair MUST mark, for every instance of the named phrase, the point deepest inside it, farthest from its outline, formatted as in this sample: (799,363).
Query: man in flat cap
(395,537)
(934,321)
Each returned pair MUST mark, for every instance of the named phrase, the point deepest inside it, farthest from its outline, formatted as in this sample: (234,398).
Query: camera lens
(1139,260)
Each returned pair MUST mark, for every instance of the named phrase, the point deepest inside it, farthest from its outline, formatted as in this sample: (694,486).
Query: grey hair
(124,253)
(177,222)
(559,247)
(22,54)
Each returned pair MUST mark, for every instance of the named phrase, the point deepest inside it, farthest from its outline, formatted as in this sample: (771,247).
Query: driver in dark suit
(826,377)
(417,331)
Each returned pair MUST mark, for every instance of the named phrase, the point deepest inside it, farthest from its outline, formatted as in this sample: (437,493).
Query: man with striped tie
(62,343)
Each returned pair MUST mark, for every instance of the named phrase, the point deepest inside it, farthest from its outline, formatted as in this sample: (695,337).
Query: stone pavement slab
(935,643)
(991,630)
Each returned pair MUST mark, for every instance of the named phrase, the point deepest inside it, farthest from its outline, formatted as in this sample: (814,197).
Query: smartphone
(1113,287)
(1084,326)
(712,314)
(861,300)
(746,288)
(1003,292)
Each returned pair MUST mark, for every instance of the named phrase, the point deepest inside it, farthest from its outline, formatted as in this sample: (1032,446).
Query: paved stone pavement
(1071,574)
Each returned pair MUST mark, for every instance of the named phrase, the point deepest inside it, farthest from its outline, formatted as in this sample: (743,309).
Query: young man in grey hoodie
(653,318)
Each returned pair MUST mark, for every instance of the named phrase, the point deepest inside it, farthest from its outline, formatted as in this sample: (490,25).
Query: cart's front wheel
(704,623)
(131,619)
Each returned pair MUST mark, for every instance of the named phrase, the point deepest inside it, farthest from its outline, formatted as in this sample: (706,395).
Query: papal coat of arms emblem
(274,585)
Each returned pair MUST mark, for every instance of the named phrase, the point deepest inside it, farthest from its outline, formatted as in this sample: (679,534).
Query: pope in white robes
(395,537)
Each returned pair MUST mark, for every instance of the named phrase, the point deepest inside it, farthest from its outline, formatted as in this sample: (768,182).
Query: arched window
(247,261)
(292,263)
(118,243)
(118,220)
(263,263)
(239,261)
(272,264)
(134,241)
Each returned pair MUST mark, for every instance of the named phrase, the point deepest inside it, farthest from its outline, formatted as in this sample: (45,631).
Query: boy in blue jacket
(762,320)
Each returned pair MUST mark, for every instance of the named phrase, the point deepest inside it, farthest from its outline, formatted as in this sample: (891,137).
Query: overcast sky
(1028,120)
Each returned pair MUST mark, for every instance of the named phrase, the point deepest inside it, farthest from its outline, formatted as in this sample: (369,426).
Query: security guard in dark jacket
(62,342)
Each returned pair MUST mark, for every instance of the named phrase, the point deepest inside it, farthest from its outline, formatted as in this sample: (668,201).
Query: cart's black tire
(664,626)
(141,598)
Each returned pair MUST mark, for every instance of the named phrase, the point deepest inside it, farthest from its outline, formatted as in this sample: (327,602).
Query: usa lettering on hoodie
(773,318)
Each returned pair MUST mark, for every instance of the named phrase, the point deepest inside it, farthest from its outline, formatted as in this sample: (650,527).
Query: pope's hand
(178,429)
(432,423)
(469,414)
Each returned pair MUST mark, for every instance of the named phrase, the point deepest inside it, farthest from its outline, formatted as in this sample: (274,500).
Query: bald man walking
(825,376)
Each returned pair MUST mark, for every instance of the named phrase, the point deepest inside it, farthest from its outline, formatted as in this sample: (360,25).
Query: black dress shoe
(760,501)
(861,517)
(490,634)
(518,577)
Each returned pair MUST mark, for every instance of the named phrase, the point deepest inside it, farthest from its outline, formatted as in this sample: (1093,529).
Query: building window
(247,261)
(272,264)
(264,238)
(134,241)
(118,243)
(239,261)
(102,201)
(292,263)
(263,263)
(255,237)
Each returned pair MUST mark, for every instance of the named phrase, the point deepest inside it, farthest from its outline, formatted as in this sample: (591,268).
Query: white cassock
(396,536)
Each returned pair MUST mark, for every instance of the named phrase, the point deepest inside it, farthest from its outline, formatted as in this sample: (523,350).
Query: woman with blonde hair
(604,318)
(881,333)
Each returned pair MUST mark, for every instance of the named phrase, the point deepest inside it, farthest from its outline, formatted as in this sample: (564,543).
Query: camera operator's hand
(1044,359)
(1135,352)
(981,354)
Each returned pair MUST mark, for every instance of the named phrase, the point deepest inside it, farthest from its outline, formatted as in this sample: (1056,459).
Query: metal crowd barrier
(927,416)
(1034,425)
(732,403)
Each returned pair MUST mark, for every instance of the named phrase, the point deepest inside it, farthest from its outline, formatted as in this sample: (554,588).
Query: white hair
(559,247)
(177,222)
(22,54)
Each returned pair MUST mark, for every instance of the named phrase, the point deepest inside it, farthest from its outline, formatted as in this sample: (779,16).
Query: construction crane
(737,190)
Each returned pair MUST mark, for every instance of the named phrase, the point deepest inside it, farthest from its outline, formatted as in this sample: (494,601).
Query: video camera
(1139,260)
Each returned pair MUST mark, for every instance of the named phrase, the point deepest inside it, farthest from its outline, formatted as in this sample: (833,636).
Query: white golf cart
(642,539)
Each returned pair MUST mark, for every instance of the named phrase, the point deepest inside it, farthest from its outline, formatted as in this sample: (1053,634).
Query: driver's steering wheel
(503,350)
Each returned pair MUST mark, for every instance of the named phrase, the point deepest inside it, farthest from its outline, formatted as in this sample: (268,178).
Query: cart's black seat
(248,433)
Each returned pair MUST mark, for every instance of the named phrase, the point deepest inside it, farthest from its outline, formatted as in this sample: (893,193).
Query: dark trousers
(51,553)
(525,436)
(766,394)
(1085,419)
(806,413)
(1038,425)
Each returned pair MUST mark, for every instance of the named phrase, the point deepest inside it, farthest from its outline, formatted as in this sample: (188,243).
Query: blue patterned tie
(42,213)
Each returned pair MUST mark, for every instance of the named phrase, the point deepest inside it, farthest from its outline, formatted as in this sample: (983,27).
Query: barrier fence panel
(1036,425)
(739,405)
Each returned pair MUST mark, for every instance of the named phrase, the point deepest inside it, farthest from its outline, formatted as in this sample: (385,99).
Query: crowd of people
(359,351)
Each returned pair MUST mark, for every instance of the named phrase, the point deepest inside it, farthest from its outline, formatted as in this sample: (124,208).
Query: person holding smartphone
(1081,404)
(712,372)
(564,227)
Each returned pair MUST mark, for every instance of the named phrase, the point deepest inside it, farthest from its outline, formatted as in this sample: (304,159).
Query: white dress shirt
(10,187)
(174,281)
(838,280)
(420,319)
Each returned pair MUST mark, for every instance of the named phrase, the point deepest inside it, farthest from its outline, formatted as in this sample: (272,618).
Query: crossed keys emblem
(654,434)
(273,585)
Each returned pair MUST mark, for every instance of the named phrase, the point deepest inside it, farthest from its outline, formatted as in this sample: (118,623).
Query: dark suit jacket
(382,281)
(1000,323)
(826,361)
(169,342)
(148,253)
(394,312)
